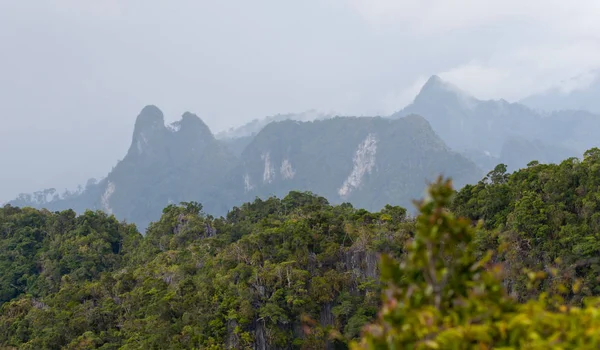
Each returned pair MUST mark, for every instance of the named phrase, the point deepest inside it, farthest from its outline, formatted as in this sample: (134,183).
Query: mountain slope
(366,161)
(466,123)
(369,162)
(165,164)
(486,130)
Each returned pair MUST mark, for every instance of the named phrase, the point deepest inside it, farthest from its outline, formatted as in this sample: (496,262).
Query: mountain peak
(191,123)
(435,84)
(438,90)
(434,81)
(151,117)
(149,126)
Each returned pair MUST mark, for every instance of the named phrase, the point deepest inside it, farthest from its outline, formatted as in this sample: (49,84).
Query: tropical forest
(509,262)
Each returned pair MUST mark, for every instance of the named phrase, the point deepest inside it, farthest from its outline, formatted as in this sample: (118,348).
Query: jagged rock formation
(164,164)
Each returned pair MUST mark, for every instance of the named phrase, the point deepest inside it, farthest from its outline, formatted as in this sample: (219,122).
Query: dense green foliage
(544,217)
(442,296)
(257,278)
(519,270)
(40,250)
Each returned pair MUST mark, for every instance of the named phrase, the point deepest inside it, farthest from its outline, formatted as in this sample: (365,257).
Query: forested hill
(542,217)
(246,280)
(294,272)
(369,162)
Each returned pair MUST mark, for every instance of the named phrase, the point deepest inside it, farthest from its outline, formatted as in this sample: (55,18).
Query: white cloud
(578,82)
(527,70)
(480,81)
(494,49)
(232,61)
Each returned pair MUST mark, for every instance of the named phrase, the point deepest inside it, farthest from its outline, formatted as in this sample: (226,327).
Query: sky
(74,74)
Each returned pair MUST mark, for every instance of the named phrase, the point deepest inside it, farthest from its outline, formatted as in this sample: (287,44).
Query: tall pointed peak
(151,117)
(149,128)
(434,81)
(438,90)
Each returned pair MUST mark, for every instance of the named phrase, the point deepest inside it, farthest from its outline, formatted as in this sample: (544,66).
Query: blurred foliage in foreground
(442,296)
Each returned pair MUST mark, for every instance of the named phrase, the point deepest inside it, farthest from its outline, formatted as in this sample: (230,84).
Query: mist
(75,74)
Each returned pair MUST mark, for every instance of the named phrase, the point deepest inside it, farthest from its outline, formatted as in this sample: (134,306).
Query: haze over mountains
(238,138)
(494,131)
(580,93)
(367,161)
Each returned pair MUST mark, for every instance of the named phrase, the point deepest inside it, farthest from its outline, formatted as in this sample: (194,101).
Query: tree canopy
(510,262)
(442,296)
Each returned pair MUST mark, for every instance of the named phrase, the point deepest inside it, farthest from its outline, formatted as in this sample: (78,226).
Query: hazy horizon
(76,74)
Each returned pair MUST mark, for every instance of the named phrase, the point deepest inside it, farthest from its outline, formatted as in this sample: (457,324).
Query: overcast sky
(75,73)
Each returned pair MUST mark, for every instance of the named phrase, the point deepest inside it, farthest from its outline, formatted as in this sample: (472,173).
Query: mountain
(369,162)
(466,123)
(488,131)
(164,164)
(366,161)
(578,93)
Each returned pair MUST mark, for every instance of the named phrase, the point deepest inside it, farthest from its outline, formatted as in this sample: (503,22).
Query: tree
(498,175)
(441,297)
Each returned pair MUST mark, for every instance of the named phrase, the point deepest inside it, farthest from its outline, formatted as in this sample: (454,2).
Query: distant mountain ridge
(369,162)
(487,130)
(580,93)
